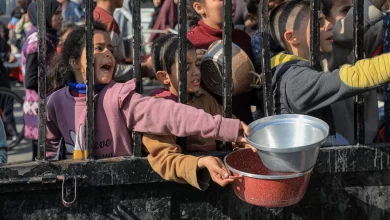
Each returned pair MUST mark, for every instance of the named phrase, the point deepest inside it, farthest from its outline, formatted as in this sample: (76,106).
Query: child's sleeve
(166,159)
(308,90)
(163,117)
(53,134)
(343,37)
(3,144)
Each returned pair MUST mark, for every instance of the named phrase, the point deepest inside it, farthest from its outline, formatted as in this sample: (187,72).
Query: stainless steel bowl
(289,142)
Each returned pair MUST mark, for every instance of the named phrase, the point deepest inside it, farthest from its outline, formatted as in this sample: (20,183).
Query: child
(104,12)
(164,155)
(300,89)
(340,14)
(205,18)
(118,109)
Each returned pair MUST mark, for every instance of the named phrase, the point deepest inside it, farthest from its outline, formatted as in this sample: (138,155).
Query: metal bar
(315,35)
(41,79)
(137,137)
(386,49)
(268,101)
(227,63)
(183,61)
(52,179)
(90,128)
(358,50)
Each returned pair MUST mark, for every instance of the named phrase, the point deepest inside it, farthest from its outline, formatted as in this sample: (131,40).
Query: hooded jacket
(299,89)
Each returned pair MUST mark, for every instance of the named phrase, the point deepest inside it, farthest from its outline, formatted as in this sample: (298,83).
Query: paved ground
(23,152)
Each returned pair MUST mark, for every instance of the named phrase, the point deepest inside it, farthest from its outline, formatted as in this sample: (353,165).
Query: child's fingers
(220,181)
(221,169)
(245,127)
(251,147)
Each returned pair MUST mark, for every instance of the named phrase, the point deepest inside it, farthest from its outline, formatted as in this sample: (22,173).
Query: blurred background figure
(71,11)
(167,17)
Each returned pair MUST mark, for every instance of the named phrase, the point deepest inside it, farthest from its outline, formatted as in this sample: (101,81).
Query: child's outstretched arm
(163,117)
(308,90)
(166,159)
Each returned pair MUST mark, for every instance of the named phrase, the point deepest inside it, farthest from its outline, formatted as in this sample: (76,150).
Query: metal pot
(257,185)
(243,72)
(289,142)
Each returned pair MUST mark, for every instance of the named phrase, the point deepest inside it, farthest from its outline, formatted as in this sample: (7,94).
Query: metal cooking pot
(243,72)
(257,185)
(289,142)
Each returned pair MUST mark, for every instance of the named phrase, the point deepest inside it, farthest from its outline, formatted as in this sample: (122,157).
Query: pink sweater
(118,111)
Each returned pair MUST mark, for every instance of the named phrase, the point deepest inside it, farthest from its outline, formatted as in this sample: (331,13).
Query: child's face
(326,35)
(302,37)
(339,10)
(211,11)
(104,62)
(193,74)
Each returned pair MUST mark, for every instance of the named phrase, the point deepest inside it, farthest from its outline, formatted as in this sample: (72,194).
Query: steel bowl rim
(265,177)
(320,124)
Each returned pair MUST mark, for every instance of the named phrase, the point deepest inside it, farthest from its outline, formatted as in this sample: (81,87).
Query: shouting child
(118,109)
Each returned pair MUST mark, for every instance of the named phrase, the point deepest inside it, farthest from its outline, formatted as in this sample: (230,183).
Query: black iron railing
(227,64)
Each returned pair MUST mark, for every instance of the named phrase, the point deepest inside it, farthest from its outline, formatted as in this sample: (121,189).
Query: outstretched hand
(241,140)
(218,172)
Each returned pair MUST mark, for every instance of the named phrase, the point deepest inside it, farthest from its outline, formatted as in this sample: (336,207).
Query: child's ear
(290,38)
(163,77)
(74,64)
(198,7)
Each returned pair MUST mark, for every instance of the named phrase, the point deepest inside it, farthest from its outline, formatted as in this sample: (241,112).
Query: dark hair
(72,49)
(165,50)
(66,25)
(192,16)
(252,6)
(287,16)
(327,7)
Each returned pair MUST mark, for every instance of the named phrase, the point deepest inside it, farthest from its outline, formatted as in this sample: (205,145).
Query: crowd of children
(297,88)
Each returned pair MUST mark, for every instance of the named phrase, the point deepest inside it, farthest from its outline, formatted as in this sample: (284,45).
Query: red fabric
(202,36)
(382,134)
(378,51)
(164,93)
(167,18)
(76,94)
(17,74)
(102,16)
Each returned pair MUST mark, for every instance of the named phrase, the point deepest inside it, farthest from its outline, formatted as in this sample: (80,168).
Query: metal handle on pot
(258,83)
(236,177)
